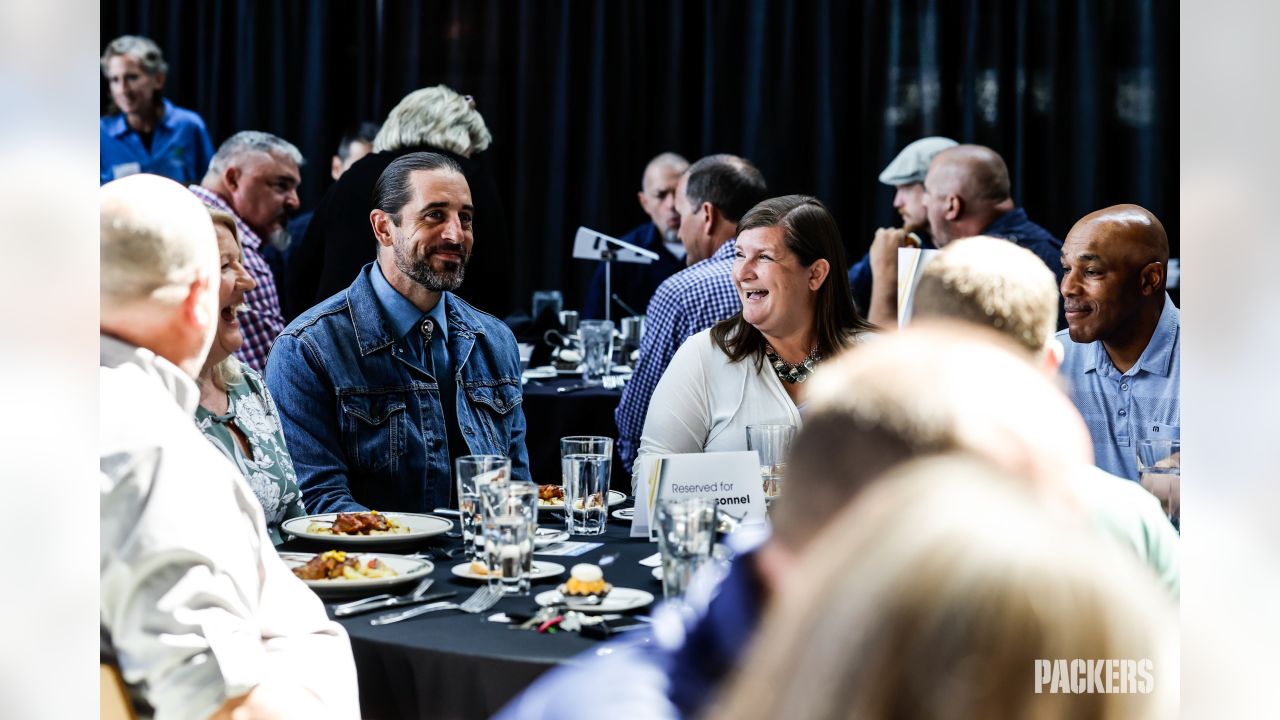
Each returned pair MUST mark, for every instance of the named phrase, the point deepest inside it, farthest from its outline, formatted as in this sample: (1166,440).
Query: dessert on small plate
(586,590)
(477,571)
(584,581)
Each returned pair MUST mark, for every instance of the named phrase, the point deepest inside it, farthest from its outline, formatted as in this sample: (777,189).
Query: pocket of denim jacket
(374,428)
(501,398)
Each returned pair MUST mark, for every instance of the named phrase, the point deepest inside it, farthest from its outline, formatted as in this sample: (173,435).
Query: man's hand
(884,274)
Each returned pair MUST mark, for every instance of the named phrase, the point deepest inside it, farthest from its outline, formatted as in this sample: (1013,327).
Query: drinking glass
(585,462)
(508,551)
(1159,471)
(474,471)
(686,528)
(547,302)
(771,443)
(595,338)
(500,501)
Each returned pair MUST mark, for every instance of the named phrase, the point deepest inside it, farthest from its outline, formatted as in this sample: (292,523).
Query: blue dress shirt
(404,318)
(1122,408)
(180,147)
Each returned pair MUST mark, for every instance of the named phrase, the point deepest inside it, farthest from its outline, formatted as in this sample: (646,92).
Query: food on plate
(585,579)
(567,359)
(553,496)
(359,523)
(550,495)
(338,565)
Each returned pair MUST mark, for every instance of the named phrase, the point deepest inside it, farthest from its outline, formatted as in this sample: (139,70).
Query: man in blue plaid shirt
(712,195)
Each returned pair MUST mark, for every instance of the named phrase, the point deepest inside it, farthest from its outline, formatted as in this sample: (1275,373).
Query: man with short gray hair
(254,177)
(196,610)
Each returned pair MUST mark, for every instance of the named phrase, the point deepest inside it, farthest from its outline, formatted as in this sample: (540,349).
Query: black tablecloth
(452,665)
(550,416)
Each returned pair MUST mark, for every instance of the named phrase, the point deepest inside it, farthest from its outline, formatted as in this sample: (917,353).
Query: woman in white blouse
(749,369)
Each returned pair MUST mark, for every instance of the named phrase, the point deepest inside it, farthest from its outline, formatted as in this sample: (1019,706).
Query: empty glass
(771,443)
(595,338)
(472,472)
(585,462)
(1159,471)
(686,529)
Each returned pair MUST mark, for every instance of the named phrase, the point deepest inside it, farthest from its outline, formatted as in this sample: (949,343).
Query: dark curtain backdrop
(1079,97)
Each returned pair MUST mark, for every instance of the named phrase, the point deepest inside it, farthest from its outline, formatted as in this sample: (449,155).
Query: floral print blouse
(269,472)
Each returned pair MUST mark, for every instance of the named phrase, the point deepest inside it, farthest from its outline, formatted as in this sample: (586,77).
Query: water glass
(1159,471)
(508,553)
(473,472)
(686,529)
(585,462)
(595,337)
(526,352)
(518,500)
(771,443)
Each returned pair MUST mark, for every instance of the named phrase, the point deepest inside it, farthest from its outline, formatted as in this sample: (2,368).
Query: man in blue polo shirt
(1122,342)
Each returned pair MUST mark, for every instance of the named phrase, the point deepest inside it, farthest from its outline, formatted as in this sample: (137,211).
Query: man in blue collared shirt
(382,386)
(149,134)
(1122,342)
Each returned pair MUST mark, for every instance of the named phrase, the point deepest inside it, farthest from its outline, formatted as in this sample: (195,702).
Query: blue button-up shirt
(180,147)
(685,304)
(1122,408)
(403,317)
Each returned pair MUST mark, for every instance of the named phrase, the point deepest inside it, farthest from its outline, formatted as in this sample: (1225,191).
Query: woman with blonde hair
(236,411)
(935,596)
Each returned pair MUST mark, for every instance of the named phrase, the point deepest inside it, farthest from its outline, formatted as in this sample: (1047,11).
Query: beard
(421,272)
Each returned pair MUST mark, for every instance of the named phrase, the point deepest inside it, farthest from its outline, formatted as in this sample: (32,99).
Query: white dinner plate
(618,600)
(408,570)
(419,526)
(616,497)
(540,373)
(625,513)
(549,536)
(541,569)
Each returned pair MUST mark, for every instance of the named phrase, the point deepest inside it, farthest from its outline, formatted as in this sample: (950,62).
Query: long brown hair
(811,235)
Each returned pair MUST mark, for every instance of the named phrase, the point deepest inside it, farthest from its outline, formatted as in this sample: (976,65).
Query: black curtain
(1079,97)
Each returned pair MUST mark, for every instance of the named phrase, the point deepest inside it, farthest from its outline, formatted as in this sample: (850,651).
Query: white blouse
(704,402)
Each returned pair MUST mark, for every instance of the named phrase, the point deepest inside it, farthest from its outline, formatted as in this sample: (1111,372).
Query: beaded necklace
(796,373)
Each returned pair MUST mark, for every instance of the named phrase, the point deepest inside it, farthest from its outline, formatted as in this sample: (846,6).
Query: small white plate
(576,372)
(419,526)
(618,600)
(657,573)
(620,370)
(616,497)
(549,536)
(541,569)
(625,513)
(540,373)
(408,571)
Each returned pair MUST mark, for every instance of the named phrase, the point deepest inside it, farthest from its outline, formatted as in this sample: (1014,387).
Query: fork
(481,600)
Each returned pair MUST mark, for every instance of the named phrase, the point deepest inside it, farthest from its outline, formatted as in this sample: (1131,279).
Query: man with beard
(906,175)
(254,177)
(1121,344)
(634,283)
(382,386)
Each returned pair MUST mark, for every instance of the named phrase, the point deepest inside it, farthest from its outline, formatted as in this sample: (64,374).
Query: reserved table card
(731,479)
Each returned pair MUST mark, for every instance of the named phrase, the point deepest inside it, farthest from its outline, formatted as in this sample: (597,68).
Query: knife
(392,602)
(573,388)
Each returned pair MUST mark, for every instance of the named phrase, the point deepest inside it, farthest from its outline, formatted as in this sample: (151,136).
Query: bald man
(966,193)
(1122,342)
(634,284)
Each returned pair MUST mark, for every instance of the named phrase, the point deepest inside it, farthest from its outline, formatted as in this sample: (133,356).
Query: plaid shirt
(264,321)
(685,304)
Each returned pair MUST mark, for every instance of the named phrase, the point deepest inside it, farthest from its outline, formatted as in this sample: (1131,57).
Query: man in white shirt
(197,609)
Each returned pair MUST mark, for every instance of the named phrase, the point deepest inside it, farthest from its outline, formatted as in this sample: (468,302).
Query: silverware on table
(481,600)
(396,602)
(385,599)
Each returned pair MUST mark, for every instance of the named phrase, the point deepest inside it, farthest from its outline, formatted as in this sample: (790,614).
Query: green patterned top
(269,472)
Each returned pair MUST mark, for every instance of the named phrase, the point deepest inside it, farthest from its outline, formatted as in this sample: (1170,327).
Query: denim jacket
(364,423)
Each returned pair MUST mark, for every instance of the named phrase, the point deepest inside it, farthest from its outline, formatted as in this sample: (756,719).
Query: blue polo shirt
(1122,408)
(180,147)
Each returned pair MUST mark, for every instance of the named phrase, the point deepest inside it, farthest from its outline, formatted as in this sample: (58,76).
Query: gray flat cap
(912,164)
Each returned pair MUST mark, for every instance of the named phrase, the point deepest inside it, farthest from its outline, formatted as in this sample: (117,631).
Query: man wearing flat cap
(906,174)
